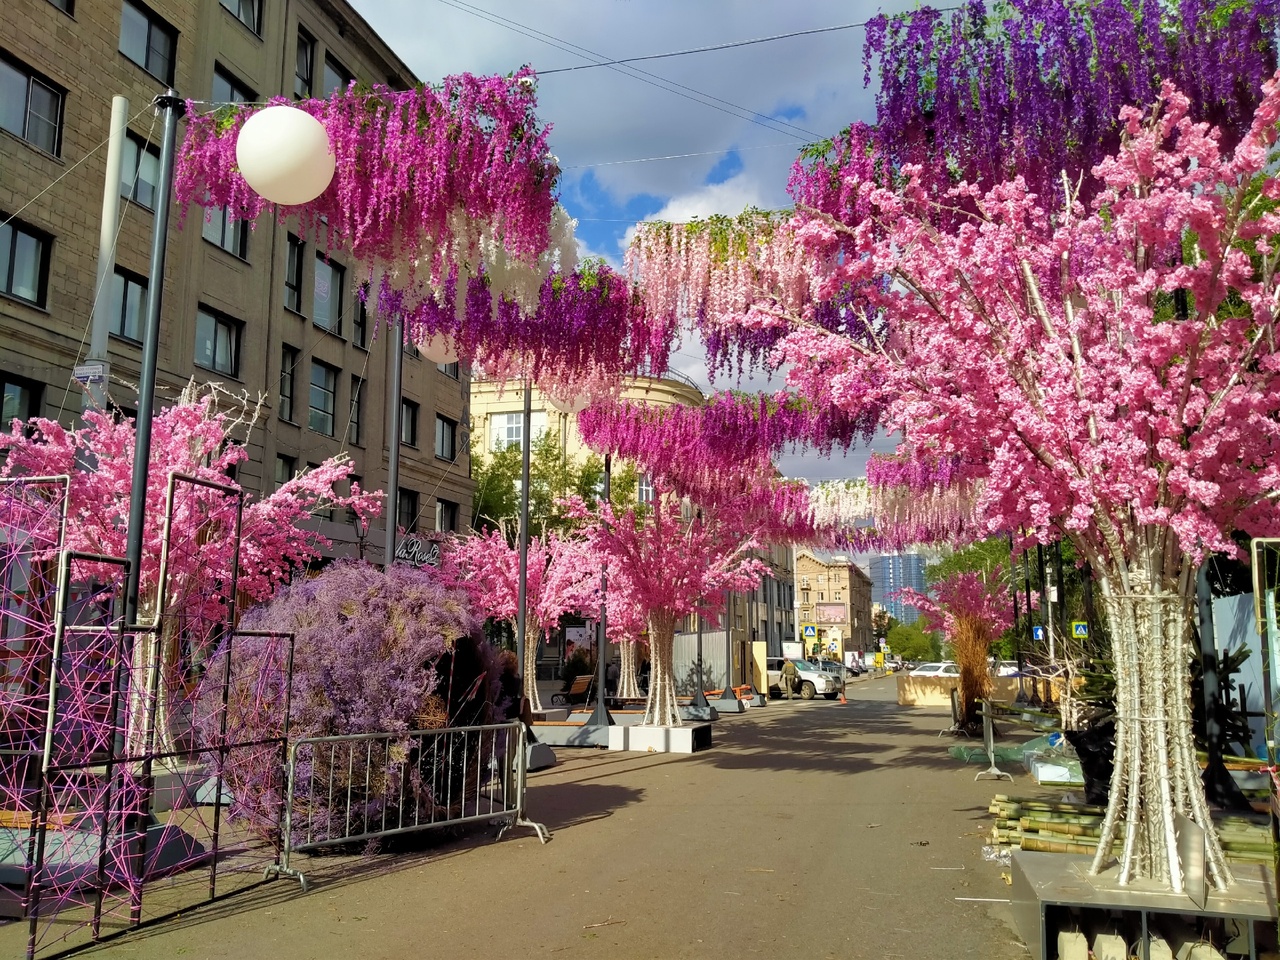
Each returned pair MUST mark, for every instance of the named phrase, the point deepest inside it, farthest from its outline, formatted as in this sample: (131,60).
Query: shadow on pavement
(560,805)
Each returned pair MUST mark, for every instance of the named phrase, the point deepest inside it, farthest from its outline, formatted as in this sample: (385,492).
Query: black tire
(807,690)
(831,696)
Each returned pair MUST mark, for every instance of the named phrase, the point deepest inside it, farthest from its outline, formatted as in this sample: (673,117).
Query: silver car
(812,681)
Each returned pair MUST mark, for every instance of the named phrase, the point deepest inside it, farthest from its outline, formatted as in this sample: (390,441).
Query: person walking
(789,675)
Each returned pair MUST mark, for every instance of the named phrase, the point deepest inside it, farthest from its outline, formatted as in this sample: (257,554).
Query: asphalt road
(810,829)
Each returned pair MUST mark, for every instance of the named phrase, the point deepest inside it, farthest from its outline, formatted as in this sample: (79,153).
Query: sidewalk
(810,829)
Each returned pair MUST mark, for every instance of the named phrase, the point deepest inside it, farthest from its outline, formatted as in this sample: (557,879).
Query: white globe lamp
(284,155)
(439,348)
(571,404)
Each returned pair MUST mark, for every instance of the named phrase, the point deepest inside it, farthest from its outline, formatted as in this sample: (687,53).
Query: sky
(672,137)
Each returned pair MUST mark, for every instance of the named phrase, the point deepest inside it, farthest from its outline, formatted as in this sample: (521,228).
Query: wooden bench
(578,692)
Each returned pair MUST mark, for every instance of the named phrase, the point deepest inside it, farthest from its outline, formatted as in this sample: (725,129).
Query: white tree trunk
(1156,772)
(529,669)
(661,709)
(629,674)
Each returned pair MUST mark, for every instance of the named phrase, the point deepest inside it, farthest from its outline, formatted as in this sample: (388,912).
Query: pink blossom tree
(563,576)
(191,438)
(972,609)
(1105,373)
(673,562)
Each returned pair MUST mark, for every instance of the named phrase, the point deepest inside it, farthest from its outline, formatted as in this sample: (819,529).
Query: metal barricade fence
(370,786)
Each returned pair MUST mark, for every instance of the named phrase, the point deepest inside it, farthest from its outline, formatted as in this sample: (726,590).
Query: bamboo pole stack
(1075,828)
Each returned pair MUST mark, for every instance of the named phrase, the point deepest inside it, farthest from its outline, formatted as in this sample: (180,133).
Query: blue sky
(668,138)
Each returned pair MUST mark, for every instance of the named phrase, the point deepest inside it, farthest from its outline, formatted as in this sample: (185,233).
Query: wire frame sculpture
(106,793)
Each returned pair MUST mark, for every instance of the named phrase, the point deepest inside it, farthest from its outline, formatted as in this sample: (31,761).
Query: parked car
(812,680)
(834,668)
(946,669)
(1007,668)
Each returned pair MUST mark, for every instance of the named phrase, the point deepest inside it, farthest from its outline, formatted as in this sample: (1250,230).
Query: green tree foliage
(882,621)
(552,477)
(910,642)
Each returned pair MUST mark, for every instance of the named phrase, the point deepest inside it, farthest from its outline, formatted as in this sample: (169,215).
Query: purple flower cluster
(408,163)
(1035,87)
(368,644)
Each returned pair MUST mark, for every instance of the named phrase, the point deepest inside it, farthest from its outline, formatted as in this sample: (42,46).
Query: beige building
(497,412)
(834,604)
(260,310)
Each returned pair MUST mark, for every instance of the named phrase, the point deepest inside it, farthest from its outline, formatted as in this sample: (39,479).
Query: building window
(327,305)
(128,305)
(217,343)
(139,171)
(227,89)
(293,274)
(304,68)
(410,349)
(836,596)
(446,438)
(66,6)
(407,510)
(449,369)
(357,391)
(148,41)
(288,364)
(409,423)
(336,77)
(24,262)
(286,467)
(30,107)
(360,319)
(644,489)
(20,400)
(248,12)
(507,429)
(446,516)
(804,597)
(324,391)
(355,482)
(231,235)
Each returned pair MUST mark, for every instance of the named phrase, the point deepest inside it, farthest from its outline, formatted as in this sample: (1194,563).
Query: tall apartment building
(258,307)
(835,603)
(891,572)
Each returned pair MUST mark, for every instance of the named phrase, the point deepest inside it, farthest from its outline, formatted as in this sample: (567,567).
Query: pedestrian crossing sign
(1080,629)
(809,631)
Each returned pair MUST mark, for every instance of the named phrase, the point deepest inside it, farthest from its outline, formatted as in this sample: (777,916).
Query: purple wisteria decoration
(1035,87)
(368,650)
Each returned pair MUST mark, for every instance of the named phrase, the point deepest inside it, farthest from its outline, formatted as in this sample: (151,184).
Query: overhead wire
(644,76)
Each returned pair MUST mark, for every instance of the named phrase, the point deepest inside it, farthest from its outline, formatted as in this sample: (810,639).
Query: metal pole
(96,395)
(523,582)
(395,364)
(600,716)
(1061,585)
(727,694)
(173,107)
(700,694)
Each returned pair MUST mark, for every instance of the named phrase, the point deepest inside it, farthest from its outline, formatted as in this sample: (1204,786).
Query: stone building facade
(258,308)
(834,605)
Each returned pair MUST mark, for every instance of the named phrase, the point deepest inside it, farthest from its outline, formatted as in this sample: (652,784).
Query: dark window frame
(32,78)
(289,360)
(446,438)
(407,502)
(35,402)
(45,242)
(314,412)
(118,327)
(295,252)
(357,411)
(291,463)
(338,272)
(66,6)
(447,516)
(238,229)
(409,410)
(237,90)
(360,319)
(255,13)
(333,65)
(140,147)
(304,86)
(155,22)
(221,321)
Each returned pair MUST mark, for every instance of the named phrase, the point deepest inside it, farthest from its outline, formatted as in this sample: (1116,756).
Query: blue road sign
(810,632)
(1080,629)
(1037,633)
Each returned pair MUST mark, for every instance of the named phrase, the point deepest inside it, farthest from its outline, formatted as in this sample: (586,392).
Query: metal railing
(371,786)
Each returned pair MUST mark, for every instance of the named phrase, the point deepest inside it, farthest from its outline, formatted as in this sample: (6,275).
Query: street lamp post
(600,716)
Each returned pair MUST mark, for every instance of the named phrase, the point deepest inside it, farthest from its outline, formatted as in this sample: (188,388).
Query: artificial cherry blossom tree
(972,609)
(563,576)
(195,439)
(1045,348)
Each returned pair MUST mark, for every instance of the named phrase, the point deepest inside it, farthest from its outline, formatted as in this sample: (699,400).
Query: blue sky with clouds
(666,138)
